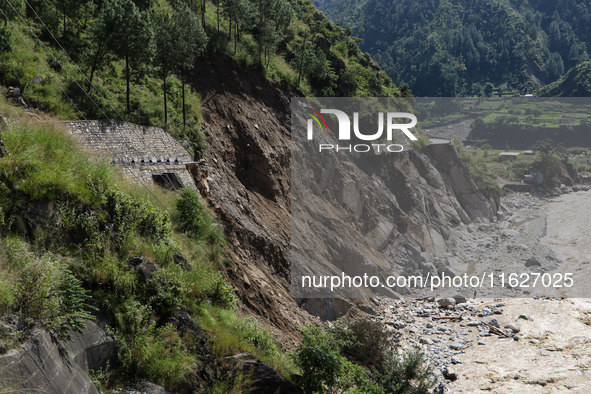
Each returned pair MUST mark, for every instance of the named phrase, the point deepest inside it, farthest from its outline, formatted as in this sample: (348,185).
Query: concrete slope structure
(144,153)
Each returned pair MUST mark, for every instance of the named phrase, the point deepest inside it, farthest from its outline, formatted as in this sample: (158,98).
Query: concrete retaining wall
(140,151)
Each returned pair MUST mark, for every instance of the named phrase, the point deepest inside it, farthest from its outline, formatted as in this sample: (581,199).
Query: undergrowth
(73,234)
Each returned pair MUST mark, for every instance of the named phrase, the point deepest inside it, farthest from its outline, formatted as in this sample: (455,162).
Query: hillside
(449,48)
(192,290)
(575,83)
(124,59)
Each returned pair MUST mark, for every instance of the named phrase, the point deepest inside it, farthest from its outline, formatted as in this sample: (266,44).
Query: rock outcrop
(48,365)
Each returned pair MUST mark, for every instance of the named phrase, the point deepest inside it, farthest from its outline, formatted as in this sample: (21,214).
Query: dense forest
(575,83)
(466,47)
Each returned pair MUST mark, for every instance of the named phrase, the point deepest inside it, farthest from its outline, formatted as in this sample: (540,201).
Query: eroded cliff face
(411,209)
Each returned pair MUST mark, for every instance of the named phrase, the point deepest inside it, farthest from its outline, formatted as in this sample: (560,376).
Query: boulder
(263,379)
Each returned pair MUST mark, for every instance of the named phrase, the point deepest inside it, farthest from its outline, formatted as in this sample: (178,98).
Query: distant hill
(466,47)
(576,83)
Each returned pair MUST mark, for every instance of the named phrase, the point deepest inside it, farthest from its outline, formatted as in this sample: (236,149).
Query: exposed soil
(245,177)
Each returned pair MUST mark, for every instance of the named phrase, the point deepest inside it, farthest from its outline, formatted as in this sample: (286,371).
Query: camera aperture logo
(375,140)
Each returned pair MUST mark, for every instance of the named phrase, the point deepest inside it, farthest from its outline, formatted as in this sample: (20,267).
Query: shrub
(324,368)
(406,374)
(49,295)
(319,358)
(366,342)
(146,351)
(6,294)
(192,215)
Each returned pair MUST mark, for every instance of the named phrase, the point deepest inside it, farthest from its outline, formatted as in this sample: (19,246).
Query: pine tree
(127,33)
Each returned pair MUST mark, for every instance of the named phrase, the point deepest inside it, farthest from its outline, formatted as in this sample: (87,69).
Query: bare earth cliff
(245,176)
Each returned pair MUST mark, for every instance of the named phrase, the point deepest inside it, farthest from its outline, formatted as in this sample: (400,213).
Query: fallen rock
(148,269)
(369,310)
(263,379)
(450,374)
(460,299)
(512,327)
(524,317)
(491,321)
(509,234)
(446,302)
(533,262)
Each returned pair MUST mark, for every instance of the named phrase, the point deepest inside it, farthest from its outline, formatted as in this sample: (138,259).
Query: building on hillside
(508,155)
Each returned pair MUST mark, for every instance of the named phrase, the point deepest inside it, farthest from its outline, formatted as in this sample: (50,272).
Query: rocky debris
(14,92)
(513,327)
(524,317)
(443,334)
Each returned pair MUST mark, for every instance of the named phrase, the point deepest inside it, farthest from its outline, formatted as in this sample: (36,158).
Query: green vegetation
(341,360)
(73,234)
(482,174)
(139,55)
(575,83)
(449,48)
(551,161)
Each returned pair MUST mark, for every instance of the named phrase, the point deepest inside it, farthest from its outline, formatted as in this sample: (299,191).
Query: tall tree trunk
(165,100)
(302,58)
(184,108)
(127,78)
(203,14)
(94,64)
(236,32)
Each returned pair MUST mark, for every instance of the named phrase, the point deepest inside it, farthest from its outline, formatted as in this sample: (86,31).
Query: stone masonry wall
(140,151)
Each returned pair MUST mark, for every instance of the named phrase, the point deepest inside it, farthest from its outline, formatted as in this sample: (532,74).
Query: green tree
(240,15)
(12,10)
(5,40)
(69,9)
(165,55)
(179,39)
(191,42)
(126,32)
(273,17)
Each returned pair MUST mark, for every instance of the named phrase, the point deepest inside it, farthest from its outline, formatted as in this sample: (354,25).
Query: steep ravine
(245,176)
